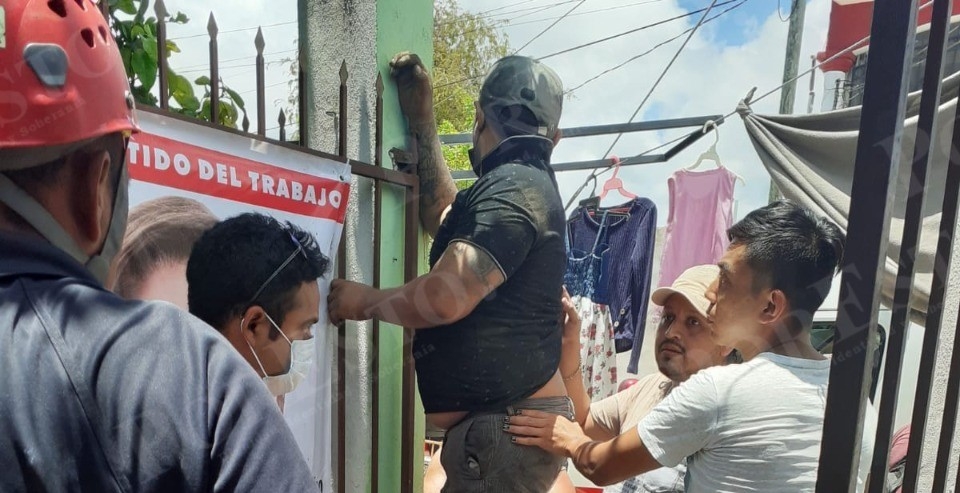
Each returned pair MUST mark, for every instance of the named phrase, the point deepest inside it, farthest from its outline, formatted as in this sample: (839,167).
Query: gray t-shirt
(754,426)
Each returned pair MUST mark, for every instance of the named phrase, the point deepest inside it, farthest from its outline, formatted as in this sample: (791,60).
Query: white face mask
(301,358)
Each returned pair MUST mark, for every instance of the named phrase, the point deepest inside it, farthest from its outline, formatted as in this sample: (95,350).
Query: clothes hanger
(616,184)
(711,152)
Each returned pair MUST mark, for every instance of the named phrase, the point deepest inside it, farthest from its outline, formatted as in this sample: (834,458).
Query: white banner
(230,174)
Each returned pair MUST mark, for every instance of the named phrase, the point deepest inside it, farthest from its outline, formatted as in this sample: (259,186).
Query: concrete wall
(366,34)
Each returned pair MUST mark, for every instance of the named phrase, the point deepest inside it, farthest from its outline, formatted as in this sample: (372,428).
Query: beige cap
(692,285)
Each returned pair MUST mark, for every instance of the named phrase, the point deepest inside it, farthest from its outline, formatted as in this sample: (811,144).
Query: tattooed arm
(461,279)
(437,189)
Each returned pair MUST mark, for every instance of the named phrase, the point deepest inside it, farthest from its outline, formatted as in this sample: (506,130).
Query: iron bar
(948,221)
(878,151)
(160,9)
(375,336)
(408,386)
(934,321)
(594,130)
(302,99)
(605,163)
(261,82)
(282,120)
(929,106)
(212,30)
(342,146)
(340,399)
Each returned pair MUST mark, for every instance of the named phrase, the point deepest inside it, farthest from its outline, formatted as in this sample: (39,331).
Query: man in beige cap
(683,347)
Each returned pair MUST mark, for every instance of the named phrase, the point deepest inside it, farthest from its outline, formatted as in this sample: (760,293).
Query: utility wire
(595,11)
(651,50)
(600,171)
(662,75)
(634,30)
(252,28)
(536,9)
(477,76)
(562,17)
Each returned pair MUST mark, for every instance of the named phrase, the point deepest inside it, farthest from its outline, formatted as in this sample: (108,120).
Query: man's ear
(91,171)
(776,309)
(254,326)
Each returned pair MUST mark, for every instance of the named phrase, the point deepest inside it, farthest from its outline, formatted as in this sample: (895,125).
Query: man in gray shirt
(101,394)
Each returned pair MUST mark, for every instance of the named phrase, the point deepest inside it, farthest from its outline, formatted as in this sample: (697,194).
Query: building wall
(366,34)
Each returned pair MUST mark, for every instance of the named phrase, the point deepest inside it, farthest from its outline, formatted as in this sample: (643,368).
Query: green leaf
(235,97)
(205,110)
(127,7)
(150,47)
(190,104)
(145,68)
(181,18)
(137,30)
(203,80)
(179,83)
(172,48)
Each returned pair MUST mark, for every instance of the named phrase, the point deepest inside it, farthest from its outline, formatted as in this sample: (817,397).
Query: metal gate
(382,178)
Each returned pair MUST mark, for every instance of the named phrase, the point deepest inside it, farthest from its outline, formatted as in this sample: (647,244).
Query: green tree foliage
(465,45)
(136,34)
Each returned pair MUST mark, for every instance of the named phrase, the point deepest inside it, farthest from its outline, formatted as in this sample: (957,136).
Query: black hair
(233,259)
(793,250)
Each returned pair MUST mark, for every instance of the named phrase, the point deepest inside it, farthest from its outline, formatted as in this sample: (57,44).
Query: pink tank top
(701,211)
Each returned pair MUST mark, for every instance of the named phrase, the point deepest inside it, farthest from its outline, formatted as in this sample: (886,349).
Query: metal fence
(381,178)
(878,150)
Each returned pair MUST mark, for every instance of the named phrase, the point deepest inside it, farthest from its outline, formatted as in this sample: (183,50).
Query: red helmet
(62,80)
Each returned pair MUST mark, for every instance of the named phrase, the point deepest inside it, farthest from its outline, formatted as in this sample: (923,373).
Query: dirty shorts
(478,456)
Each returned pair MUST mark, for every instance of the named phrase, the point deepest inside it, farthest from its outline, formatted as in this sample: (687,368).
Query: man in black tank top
(490,305)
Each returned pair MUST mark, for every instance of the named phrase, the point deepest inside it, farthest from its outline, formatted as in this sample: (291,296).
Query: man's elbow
(598,476)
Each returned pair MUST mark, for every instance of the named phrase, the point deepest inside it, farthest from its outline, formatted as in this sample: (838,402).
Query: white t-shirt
(754,426)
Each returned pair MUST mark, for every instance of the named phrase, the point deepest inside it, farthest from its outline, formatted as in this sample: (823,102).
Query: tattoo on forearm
(437,189)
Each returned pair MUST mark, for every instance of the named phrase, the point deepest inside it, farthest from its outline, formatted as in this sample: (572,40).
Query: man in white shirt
(683,346)
(756,426)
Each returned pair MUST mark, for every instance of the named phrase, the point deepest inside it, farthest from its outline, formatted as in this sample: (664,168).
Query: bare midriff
(445,421)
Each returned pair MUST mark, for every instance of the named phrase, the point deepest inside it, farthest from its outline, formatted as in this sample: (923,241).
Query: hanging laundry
(701,212)
(585,281)
(629,231)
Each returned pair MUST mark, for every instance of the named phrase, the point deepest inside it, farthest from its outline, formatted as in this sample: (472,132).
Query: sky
(722,61)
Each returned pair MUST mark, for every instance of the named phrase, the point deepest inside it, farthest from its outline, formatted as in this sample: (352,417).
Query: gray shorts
(478,456)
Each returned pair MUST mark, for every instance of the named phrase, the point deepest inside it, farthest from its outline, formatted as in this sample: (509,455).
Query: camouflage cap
(518,83)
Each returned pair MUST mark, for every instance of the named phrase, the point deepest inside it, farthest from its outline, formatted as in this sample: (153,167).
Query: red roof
(849,23)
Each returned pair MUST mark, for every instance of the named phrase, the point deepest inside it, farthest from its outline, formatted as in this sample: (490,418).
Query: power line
(655,47)
(510,23)
(564,16)
(203,65)
(228,31)
(662,75)
(811,69)
(524,11)
(631,31)
(477,76)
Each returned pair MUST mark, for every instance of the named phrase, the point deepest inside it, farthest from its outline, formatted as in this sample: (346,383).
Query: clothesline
(749,99)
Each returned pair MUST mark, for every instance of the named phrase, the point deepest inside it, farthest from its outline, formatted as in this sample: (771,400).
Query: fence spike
(343,72)
(212,28)
(160,9)
(246,123)
(258,41)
